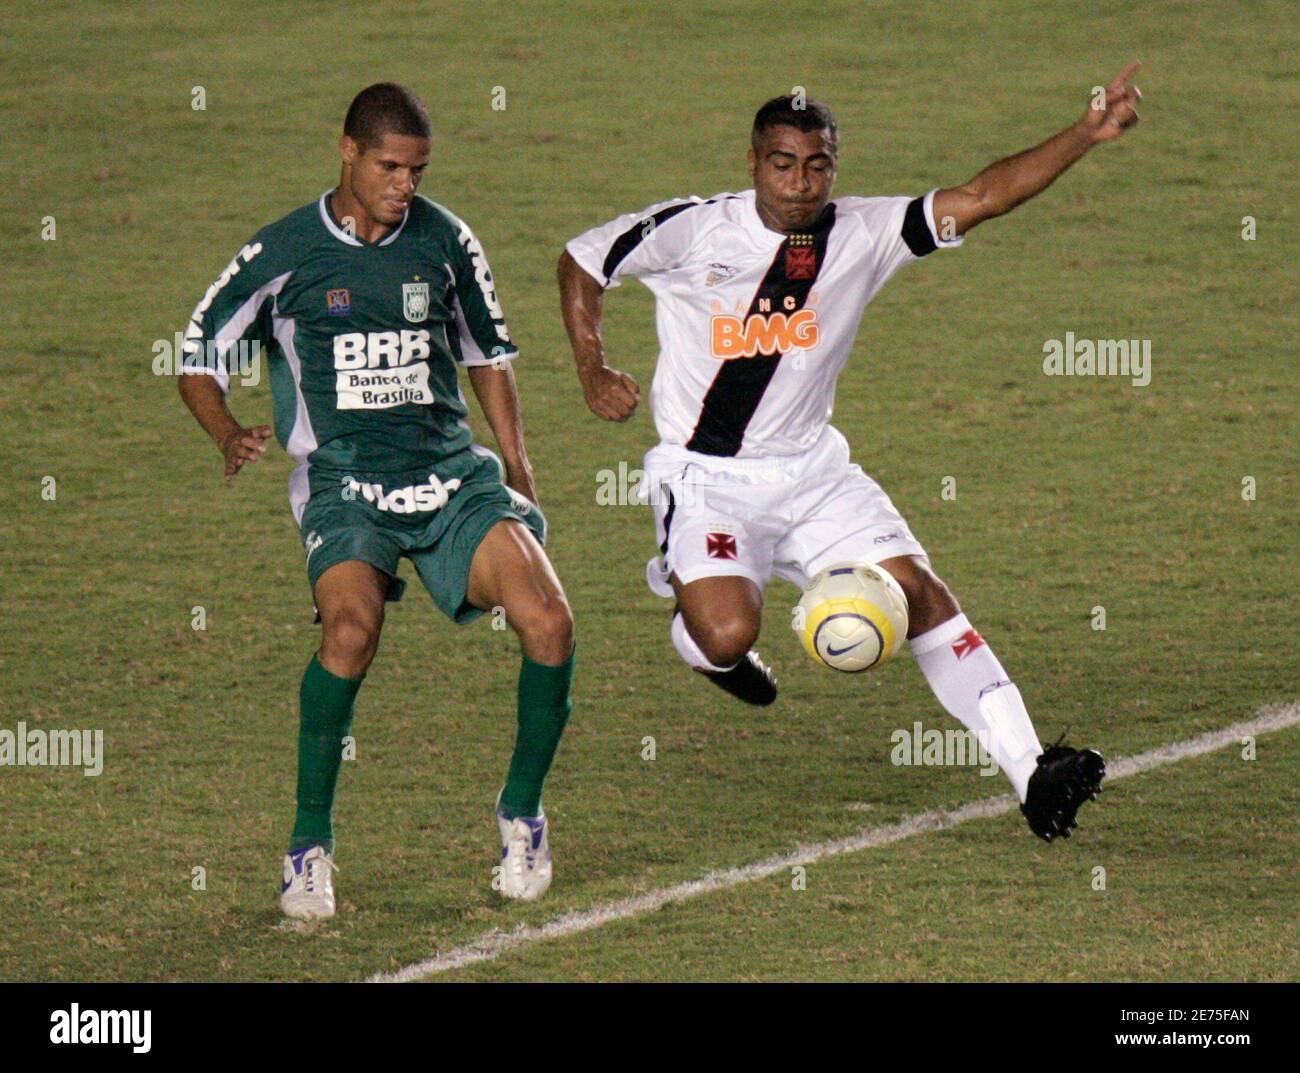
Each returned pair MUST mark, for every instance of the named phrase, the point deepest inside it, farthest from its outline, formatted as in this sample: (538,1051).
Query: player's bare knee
(724,641)
(546,630)
(349,644)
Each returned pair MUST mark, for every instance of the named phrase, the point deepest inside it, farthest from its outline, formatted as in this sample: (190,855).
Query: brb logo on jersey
(379,370)
(765,332)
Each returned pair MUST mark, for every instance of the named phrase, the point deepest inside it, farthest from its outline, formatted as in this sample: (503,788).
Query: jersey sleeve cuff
(587,262)
(194,366)
(941,243)
(489,359)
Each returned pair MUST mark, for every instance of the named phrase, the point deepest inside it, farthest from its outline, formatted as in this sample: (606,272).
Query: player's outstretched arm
(610,394)
(1000,187)
(207,402)
(494,385)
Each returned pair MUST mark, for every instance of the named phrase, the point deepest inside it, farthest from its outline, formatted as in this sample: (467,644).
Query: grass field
(1072,493)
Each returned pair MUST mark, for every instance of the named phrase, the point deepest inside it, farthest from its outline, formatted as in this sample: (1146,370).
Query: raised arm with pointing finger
(1000,187)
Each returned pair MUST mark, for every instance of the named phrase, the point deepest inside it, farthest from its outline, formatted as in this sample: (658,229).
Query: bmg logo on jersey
(764,332)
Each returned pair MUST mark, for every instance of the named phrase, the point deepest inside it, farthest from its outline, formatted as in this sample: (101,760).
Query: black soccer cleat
(1064,779)
(751,680)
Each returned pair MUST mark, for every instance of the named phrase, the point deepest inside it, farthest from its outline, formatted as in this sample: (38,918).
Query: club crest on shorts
(415,301)
(721,545)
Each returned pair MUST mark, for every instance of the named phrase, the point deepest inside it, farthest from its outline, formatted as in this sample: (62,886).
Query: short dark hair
(801,112)
(385,108)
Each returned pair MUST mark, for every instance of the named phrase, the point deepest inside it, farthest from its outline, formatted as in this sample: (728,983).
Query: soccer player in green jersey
(366,303)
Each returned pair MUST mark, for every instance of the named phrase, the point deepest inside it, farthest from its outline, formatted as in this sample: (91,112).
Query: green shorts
(435,520)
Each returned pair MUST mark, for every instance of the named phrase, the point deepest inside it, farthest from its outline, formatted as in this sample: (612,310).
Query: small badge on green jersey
(415,301)
(338,302)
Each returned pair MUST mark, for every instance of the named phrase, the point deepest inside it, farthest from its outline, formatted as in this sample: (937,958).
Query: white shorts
(791,516)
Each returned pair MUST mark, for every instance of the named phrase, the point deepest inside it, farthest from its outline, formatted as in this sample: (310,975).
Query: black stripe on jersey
(916,232)
(668,522)
(738,387)
(634,235)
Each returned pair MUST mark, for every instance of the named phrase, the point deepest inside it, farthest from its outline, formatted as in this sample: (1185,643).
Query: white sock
(688,649)
(971,684)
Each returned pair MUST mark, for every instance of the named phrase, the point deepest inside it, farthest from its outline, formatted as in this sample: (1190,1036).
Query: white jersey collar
(352,240)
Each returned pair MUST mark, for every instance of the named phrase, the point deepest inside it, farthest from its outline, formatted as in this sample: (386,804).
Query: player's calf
(930,602)
(970,682)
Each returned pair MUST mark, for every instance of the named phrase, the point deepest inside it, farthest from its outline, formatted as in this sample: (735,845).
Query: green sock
(326,702)
(544,708)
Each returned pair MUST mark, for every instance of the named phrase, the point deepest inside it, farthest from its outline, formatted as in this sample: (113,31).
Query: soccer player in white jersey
(758,298)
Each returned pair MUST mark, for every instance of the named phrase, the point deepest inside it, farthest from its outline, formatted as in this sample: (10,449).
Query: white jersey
(755,325)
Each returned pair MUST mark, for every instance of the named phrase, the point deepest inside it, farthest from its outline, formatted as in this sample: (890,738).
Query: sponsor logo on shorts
(413,499)
(721,546)
(966,644)
(887,538)
(338,303)
(313,541)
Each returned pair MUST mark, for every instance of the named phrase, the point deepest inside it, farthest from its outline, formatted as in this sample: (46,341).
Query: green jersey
(361,340)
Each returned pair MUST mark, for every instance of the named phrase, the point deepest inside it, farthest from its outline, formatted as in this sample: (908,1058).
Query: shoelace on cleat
(315,865)
(521,836)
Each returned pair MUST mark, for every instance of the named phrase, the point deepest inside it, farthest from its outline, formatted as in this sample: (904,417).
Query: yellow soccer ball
(851,617)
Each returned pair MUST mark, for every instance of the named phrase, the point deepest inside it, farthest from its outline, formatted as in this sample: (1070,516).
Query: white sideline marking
(493,944)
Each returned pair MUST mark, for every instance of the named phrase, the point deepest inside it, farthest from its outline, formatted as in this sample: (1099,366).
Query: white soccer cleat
(525,857)
(307,891)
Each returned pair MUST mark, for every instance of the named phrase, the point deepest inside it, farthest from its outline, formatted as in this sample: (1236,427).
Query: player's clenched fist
(610,394)
(243,445)
(1109,118)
